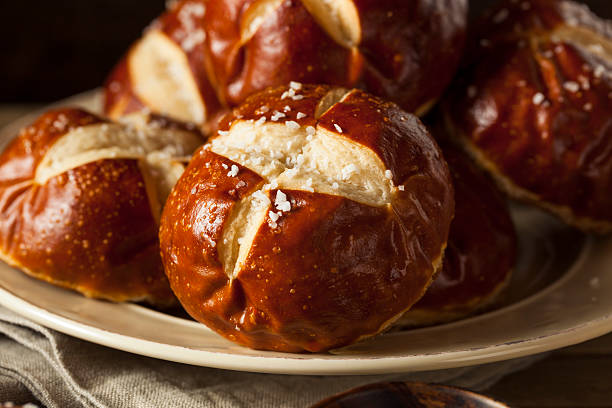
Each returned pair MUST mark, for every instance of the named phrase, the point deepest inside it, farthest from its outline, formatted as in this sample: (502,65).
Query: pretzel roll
(481,250)
(201,56)
(533,107)
(316,218)
(80,200)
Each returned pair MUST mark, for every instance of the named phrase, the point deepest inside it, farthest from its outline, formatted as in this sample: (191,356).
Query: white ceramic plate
(560,295)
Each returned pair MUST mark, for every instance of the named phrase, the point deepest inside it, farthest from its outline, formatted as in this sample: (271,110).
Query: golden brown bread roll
(202,56)
(316,218)
(80,200)
(533,105)
(481,250)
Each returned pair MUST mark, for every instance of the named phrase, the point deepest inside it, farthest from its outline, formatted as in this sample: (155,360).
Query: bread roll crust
(91,227)
(533,104)
(329,271)
(404,51)
(480,254)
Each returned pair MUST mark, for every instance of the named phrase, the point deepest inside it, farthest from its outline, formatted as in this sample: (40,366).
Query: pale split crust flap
(306,158)
(161,75)
(595,43)
(162,78)
(160,153)
(338,18)
(310,208)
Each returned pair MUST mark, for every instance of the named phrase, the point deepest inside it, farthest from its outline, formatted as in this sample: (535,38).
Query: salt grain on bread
(306,256)
(540,122)
(80,200)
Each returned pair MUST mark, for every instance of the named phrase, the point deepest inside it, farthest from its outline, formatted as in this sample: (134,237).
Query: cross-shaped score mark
(289,156)
(161,153)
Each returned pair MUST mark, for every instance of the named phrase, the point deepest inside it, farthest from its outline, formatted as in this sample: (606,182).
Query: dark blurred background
(53,49)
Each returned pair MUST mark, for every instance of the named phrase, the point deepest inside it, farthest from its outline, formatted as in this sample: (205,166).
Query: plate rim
(309,364)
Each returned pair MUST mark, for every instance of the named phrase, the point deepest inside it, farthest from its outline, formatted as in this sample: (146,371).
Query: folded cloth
(61,372)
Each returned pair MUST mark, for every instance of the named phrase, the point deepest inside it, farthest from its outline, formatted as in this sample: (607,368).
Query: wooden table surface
(574,377)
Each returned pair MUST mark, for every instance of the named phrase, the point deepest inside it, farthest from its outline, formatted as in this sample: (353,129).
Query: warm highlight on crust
(330,270)
(406,52)
(532,108)
(89,226)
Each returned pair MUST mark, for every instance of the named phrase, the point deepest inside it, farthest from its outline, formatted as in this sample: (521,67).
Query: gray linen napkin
(61,372)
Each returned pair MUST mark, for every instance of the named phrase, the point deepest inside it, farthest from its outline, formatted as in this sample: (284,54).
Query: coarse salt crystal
(276,115)
(584,82)
(288,94)
(538,98)
(291,124)
(599,71)
(300,115)
(193,39)
(233,171)
(571,86)
(225,166)
(223,132)
(281,202)
(260,121)
(295,85)
(401,188)
(388,174)
(338,128)
(297,97)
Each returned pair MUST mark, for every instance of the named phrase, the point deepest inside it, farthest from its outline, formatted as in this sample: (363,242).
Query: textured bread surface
(202,57)
(533,104)
(315,218)
(480,254)
(80,200)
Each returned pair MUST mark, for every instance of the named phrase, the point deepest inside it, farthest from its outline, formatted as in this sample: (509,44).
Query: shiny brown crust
(334,270)
(90,228)
(408,51)
(533,107)
(481,249)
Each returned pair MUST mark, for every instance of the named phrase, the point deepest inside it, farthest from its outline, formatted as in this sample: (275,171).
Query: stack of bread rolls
(318,210)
